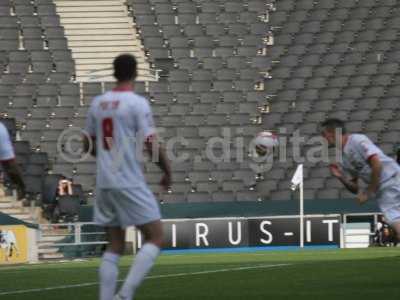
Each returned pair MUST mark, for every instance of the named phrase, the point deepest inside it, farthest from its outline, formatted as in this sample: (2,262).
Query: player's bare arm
(350,184)
(376,169)
(13,171)
(154,147)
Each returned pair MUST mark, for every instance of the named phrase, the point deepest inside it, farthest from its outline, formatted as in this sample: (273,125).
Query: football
(265,142)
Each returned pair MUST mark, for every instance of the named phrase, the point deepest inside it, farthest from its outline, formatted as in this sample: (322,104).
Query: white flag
(297,177)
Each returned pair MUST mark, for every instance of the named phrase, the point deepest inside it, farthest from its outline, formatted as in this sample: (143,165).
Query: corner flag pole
(301,213)
(298,181)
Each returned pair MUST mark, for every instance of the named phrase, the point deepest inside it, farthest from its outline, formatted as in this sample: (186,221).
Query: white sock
(144,261)
(108,275)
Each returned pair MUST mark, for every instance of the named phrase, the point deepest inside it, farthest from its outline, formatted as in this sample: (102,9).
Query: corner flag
(297,177)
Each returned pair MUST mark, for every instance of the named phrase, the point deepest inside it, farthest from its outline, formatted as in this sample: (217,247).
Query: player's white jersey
(358,150)
(6,148)
(120,120)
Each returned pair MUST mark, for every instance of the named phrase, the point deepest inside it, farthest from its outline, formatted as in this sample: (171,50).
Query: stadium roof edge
(6,220)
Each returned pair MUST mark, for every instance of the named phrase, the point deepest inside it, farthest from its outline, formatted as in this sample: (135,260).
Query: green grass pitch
(309,274)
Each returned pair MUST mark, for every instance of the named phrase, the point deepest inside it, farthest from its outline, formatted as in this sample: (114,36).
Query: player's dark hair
(125,67)
(334,124)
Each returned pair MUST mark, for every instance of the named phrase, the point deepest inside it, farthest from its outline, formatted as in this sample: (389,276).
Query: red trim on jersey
(123,89)
(7,160)
(371,156)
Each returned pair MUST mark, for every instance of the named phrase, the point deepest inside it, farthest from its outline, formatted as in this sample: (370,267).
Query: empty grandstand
(247,66)
(207,67)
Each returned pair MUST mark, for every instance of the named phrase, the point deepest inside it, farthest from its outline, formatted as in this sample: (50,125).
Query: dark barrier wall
(250,232)
(251,209)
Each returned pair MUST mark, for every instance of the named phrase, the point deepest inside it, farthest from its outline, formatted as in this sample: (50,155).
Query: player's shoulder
(98,98)
(136,97)
(361,140)
(359,137)
(138,101)
(95,102)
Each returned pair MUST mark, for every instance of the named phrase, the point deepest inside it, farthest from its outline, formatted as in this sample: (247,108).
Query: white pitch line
(70,286)
(217,271)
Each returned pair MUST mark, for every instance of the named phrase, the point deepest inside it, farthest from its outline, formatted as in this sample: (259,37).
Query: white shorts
(392,215)
(388,199)
(125,207)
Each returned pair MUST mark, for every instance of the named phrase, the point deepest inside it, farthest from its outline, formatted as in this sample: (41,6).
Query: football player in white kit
(119,123)
(362,159)
(8,162)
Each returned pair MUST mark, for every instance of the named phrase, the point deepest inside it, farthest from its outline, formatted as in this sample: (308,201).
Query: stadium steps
(52,255)
(47,245)
(10,206)
(100,27)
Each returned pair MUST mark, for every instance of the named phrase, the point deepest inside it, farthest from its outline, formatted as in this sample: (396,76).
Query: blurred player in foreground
(119,123)
(362,159)
(8,162)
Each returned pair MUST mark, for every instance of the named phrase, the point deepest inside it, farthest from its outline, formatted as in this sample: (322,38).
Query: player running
(362,159)
(119,122)
(8,162)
